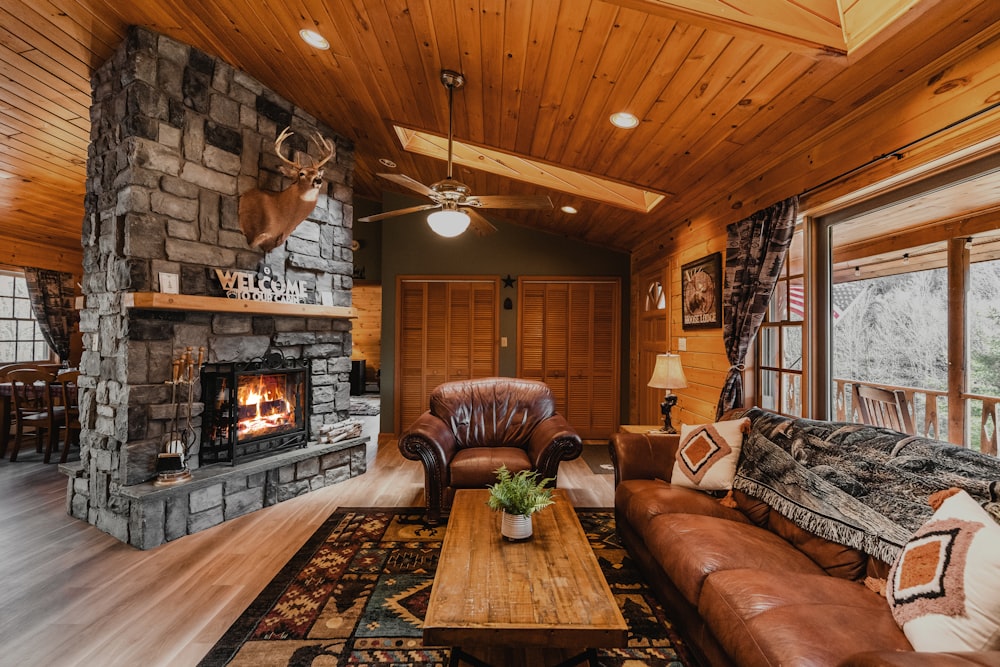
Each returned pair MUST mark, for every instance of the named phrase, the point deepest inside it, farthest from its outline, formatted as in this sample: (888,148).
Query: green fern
(521,493)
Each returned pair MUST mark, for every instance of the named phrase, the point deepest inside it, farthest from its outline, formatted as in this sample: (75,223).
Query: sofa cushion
(708,453)
(642,499)
(476,467)
(775,618)
(836,559)
(690,547)
(944,588)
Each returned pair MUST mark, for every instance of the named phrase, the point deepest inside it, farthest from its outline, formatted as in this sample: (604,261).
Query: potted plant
(518,496)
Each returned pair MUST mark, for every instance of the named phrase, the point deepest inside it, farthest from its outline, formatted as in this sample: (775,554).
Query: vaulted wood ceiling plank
(646,63)
(517,28)
(751,89)
(492,28)
(97,37)
(64,58)
(659,128)
(598,29)
(538,52)
(565,42)
(416,32)
(696,111)
(54,105)
(18,67)
(606,93)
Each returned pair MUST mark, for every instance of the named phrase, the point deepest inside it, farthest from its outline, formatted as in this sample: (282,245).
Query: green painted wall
(409,247)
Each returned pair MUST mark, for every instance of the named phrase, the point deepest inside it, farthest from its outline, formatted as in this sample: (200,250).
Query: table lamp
(668,374)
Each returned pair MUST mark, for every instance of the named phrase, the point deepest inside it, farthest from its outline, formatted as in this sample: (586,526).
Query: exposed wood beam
(812,31)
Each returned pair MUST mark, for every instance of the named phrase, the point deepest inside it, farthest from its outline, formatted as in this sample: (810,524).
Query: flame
(264,405)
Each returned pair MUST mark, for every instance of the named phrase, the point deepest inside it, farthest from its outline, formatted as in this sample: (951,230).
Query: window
(779,342)
(20,337)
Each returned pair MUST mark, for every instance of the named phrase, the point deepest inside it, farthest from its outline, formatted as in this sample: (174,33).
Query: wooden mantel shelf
(216,304)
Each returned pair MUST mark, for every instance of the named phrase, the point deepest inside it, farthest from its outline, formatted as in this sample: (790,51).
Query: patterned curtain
(755,251)
(52,296)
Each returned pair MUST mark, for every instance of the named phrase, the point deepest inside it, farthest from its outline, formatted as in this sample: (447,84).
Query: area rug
(598,458)
(356,593)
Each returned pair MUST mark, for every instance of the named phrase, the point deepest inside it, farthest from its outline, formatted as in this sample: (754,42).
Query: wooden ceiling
(723,95)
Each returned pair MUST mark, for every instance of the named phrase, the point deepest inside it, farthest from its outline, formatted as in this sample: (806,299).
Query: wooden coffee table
(529,603)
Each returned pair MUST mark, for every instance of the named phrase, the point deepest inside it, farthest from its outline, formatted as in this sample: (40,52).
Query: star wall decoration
(508,281)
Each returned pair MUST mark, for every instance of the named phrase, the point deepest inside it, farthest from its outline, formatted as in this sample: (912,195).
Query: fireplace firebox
(254,409)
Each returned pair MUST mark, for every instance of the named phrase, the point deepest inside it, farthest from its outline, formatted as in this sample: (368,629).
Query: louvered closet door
(447,330)
(568,337)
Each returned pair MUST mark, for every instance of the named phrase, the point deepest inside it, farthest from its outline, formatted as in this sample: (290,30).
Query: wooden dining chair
(32,417)
(883,407)
(69,392)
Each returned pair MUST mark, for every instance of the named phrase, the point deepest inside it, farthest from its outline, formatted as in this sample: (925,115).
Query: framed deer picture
(701,293)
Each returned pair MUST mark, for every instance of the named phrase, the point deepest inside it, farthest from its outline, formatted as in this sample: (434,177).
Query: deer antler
(325,145)
(287,132)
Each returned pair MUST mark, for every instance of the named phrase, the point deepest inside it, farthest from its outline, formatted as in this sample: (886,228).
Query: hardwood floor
(72,595)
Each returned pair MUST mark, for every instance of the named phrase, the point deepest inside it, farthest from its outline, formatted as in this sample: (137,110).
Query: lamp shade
(668,373)
(448,222)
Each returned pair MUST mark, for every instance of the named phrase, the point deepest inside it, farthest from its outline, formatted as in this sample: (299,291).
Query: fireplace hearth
(254,409)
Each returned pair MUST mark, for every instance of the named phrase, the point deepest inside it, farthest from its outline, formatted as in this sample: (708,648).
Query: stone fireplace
(176,136)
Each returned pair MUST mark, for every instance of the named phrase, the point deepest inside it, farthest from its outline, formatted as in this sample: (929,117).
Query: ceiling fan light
(314,39)
(624,120)
(448,223)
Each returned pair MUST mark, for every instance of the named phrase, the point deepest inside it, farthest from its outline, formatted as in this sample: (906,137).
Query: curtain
(755,252)
(52,299)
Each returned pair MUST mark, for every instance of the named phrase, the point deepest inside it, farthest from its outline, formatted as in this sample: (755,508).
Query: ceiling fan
(455,206)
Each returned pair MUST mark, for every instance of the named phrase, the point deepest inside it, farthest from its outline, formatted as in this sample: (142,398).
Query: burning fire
(263,405)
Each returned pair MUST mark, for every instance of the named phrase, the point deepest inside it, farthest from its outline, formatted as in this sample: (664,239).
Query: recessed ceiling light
(568,209)
(386,162)
(624,120)
(314,39)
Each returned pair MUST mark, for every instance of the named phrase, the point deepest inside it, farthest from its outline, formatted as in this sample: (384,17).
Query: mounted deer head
(268,218)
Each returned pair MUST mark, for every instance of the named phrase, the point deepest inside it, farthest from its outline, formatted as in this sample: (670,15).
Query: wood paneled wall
(704,360)
(366,333)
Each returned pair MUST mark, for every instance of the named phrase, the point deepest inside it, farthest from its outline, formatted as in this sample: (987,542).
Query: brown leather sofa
(475,426)
(747,587)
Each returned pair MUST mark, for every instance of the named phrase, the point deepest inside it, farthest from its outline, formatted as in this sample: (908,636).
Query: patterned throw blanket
(861,486)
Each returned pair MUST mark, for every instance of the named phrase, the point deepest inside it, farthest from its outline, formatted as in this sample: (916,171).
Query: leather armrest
(643,455)
(427,437)
(552,441)
(920,659)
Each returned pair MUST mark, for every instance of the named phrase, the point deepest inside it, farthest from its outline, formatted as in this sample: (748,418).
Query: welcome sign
(262,287)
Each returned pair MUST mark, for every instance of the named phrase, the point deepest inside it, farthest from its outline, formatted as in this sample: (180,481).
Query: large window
(20,337)
(779,342)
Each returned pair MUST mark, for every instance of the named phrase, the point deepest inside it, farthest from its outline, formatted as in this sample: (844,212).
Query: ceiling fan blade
(478,223)
(510,201)
(393,214)
(407,182)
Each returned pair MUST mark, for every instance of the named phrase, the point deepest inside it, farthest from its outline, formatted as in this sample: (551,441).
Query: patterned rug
(356,592)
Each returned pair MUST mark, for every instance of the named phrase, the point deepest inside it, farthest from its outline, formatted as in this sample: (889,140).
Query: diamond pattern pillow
(944,588)
(708,453)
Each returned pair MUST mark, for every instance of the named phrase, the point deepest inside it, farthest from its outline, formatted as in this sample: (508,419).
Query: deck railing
(929,412)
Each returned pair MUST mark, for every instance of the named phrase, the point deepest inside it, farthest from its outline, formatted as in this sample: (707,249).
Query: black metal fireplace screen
(254,409)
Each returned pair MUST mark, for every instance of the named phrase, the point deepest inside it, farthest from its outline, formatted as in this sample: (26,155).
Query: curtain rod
(898,152)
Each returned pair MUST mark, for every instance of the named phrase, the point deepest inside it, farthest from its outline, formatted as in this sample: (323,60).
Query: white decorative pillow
(708,454)
(944,588)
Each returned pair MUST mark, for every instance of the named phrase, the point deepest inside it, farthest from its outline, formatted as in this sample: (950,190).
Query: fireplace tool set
(171,463)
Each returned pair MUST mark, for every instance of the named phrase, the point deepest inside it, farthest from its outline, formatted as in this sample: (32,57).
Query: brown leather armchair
(475,426)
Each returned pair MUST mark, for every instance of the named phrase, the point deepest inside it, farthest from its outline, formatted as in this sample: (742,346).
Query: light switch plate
(682,344)
(169,283)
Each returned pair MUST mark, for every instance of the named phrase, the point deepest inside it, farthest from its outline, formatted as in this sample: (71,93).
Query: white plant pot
(515,527)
